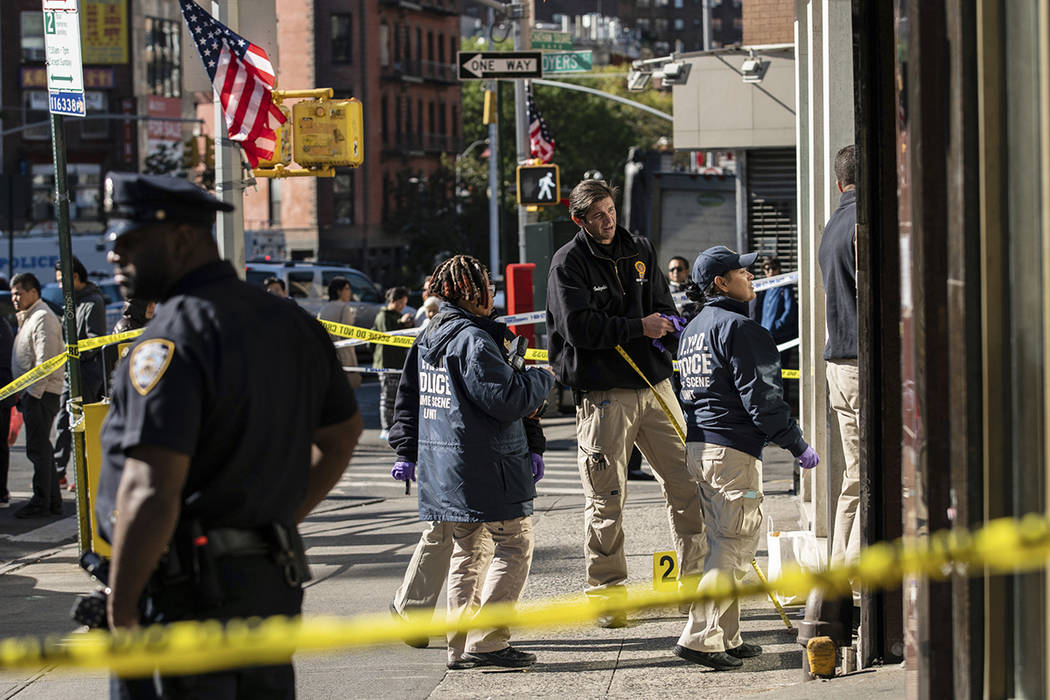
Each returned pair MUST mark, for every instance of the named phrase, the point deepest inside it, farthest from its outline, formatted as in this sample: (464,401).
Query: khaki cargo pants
(731,489)
(473,582)
(608,423)
(428,568)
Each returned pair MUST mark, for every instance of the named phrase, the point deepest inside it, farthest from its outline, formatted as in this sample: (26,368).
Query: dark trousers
(387,393)
(39,416)
(5,451)
(254,586)
(91,390)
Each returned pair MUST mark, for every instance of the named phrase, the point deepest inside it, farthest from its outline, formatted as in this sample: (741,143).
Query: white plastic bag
(793,547)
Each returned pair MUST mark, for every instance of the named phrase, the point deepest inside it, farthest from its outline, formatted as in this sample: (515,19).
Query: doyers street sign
(474,65)
(567,62)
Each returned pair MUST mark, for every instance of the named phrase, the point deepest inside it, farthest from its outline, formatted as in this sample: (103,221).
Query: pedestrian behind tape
(212,452)
(734,405)
(605,291)
(391,317)
(338,310)
(458,417)
(39,338)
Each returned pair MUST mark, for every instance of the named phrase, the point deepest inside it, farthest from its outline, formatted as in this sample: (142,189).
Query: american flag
(541,143)
(242,76)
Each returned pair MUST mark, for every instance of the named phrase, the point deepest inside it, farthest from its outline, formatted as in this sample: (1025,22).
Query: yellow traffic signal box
(282,151)
(539,185)
(328,132)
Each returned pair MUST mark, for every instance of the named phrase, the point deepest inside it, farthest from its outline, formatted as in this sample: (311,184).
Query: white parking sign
(65,69)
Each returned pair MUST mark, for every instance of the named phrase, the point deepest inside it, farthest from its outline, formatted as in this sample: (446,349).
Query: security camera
(754,69)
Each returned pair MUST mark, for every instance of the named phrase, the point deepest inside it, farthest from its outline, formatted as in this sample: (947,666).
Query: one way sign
(475,65)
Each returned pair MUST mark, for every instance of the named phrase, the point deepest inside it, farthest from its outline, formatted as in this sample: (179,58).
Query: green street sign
(543,39)
(567,61)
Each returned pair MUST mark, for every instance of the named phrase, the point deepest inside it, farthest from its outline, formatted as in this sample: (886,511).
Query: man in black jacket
(838,266)
(91,323)
(605,290)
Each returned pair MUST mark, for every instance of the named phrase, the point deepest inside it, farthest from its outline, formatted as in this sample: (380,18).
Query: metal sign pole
(69,319)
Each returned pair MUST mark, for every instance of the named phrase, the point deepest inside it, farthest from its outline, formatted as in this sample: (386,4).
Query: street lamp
(464,154)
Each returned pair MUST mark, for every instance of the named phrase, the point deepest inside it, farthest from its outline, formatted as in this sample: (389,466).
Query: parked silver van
(307,283)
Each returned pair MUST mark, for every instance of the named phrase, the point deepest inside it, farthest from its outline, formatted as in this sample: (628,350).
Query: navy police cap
(718,261)
(131,200)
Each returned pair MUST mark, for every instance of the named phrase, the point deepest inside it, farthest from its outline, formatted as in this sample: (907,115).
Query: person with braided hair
(458,415)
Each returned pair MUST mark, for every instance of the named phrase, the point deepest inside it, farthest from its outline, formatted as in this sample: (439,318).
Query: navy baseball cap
(131,200)
(718,261)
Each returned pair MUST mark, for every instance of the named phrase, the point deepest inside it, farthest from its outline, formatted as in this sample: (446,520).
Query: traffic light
(328,132)
(282,150)
(538,185)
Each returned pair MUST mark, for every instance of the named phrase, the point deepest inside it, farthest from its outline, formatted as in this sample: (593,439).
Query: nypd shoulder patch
(148,362)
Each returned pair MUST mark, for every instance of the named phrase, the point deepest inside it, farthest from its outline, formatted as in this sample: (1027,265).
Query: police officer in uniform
(207,450)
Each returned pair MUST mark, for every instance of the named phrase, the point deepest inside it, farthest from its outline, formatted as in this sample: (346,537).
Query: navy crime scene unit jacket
(210,378)
(731,386)
(458,417)
(596,300)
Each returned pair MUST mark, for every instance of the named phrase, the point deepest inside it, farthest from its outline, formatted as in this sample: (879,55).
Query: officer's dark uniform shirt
(239,380)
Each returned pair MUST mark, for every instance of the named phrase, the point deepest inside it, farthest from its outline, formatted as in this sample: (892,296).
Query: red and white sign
(166,108)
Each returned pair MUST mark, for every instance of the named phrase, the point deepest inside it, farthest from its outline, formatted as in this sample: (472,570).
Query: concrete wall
(715,109)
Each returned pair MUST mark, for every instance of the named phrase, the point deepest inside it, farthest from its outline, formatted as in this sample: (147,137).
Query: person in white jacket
(39,338)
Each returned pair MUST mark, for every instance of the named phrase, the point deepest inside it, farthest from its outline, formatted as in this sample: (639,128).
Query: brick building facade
(768,22)
(399,60)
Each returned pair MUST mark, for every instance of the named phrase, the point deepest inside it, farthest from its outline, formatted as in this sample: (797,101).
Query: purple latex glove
(679,325)
(404,471)
(678,321)
(809,458)
(537,467)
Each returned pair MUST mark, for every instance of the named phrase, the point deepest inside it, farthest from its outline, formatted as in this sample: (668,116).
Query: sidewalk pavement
(359,542)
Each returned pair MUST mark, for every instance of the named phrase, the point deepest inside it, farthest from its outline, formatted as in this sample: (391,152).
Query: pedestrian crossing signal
(538,184)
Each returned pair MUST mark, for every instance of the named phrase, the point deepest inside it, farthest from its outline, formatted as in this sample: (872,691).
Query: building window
(678,4)
(274,201)
(430,46)
(419,121)
(397,44)
(419,44)
(643,3)
(384,45)
(35,110)
(33,36)
(660,26)
(430,116)
(455,127)
(84,181)
(342,42)
(95,128)
(441,48)
(384,109)
(163,57)
(643,25)
(452,48)
(679,24)
(661,3)
(343,198)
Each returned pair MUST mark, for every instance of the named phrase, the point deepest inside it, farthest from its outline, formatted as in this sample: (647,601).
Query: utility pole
(522,42)
(229,226)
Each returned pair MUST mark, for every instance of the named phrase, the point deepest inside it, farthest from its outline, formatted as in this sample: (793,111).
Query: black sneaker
(5,499)
(461,664)
(745,651)
(640,475)
(32,510)
(718,660)
(507,657)
(414,642)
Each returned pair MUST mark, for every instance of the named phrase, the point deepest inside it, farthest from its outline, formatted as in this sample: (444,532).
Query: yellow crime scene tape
(1001,546)
(48,366)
